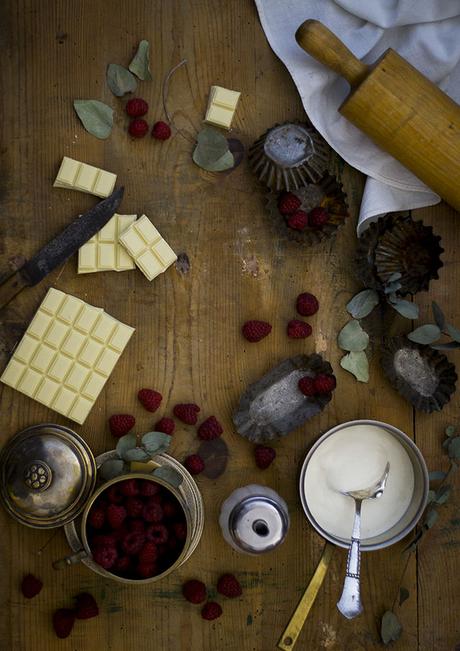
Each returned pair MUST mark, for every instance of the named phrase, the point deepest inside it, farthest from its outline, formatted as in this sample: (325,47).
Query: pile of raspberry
(289,206)
(137,108)
(136,529)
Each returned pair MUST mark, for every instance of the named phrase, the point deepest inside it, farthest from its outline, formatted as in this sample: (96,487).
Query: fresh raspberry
(165,425)
(157,499)
(187,413)
(162,549)
(298,221)
(150,399)
(121,424)
(136,525)
(136,107)
(170,509)
(122,565)
(96,518)
(86,606)
(256,330)
(152,512)
(129,487)
(133,542)
(138,128)
(63,621)
(288,203)
(194,591)
(161,131)
(298,329)
(211,610)
(324,384)
(264,455)
(318,217)
(148,554)
(145,571)
(114,494)
(116,515)
(210,429)
(307,386)
(120,533)
(105,555)
(106,540)
(149,488)
(229,586)
(157,533)
(134,506)
(31,586)
(194,464)
(307,304)
(180,530)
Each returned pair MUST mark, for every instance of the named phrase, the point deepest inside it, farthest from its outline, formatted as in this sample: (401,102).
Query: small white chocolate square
(73,343)
(222,104)
(56,334)
(133,242)
(87,318)
(52,301)
(219,116)
(149,264)
(80,409)
(90,352)
(64,400)
(224,97)
(93,386)
(104,328)
(29,382)
(77,377)
(39,324)
(60,367)
(67,172)
(70,309)
(106,362)
(43,358)
(13,373)
(26,348)
(105,184)
(121,336)
(86,178)
(47,391)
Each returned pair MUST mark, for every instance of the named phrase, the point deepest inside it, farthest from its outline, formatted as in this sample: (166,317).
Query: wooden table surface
(187,343)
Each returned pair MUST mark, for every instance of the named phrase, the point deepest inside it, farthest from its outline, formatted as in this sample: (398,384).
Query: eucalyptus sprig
(431,333)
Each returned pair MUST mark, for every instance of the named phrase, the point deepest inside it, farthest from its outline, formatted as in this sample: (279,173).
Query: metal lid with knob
(47,473)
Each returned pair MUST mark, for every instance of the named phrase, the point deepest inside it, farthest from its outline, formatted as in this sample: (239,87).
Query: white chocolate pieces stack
(103,252)
(221,106)
(74,175)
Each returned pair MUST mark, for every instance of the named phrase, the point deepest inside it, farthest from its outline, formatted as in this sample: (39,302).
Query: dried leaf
(405,308)
(443,494)
(357,364)
(111,468)
(126,442)
(352,337)
(438,315)
(140,65)
(96,117)
(436,475)
(170,475)
(430,518)
(454,447)
(155,442)
(391,628)
(120,80)
(391,288)
(363,303)
(426,334)
(454,333)
(212,152)
(403,595)
(136,454)
(450,430)
(215,456)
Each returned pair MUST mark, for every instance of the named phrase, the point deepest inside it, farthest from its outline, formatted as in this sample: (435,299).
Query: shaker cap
(258,524)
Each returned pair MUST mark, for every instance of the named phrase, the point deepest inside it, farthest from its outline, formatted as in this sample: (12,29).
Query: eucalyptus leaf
(211,152)
(451,345)
(454,333)
(430,518)
(394,276)
(357,364)
(120,80)
(403,595)
(223,163)
(126,442)
(454,447)
(425,334)
(111,468)
(436,475)
(136,454)
(170,475)
(363,303)
(431,497)
(155,442)
(438,315)
(443,494)
(140,65)
(96,117)
(450,430)
(391,628)
(352,337)
(406,308)
(390,288)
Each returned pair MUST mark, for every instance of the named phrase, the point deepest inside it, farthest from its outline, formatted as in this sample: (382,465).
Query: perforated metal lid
(258,524)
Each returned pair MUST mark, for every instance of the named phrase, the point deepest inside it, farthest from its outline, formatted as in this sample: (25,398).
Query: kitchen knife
(58,250)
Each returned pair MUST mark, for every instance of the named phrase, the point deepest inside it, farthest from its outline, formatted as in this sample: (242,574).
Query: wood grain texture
(187,342)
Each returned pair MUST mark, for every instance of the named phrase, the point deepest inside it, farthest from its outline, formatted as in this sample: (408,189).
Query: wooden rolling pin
(398,108)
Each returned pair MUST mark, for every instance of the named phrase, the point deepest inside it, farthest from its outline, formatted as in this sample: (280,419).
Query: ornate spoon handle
(349,603)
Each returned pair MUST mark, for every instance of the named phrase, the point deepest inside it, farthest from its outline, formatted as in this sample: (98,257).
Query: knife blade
(59,249)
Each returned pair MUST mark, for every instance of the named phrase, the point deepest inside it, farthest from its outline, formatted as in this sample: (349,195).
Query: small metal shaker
(254,519)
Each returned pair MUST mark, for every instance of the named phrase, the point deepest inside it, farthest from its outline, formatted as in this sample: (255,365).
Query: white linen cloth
(425,32)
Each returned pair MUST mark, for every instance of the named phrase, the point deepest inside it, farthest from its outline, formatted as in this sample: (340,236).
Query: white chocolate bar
(221,106)
(103,251)
(67,354)
(151,253)
(74,175)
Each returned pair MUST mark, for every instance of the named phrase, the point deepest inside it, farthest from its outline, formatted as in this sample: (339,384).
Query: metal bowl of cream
(336,461)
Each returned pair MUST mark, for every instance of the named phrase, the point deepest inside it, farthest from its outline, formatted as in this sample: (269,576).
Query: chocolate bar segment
(103,252)
(74,175)
(222,105)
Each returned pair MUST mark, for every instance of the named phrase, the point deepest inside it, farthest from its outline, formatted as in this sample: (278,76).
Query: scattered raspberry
(187,413)
(129,487)
(288,203)
(256,330)
(31,586)
(229,586)
(122,564)
(307,304)
(170,510)
(150,399)
(307,386)
(211,610)
(157,533)
(105,555)
(114,494)
(264,455)
(148,554)
(161,131)
(134,506)
(133,542)
(194,591)
(136,525)
(136,107)
(152,512)
(298,221)
(210,429)
(194,464)
(318,217)
(145,571)
(298,329)
(166,425)
(86,606)
(116,515)
(121,424)
(138,128)
(149,488)
(180,530)
(324,384)
(63,621)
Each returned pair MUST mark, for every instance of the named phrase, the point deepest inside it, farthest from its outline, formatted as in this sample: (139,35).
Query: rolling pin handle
(324,46)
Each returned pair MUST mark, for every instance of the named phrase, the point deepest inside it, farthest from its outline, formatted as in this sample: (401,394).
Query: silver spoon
(349,603)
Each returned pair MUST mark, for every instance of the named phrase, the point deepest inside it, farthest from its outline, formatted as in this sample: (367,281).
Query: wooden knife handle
(324,46)
(10,287)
